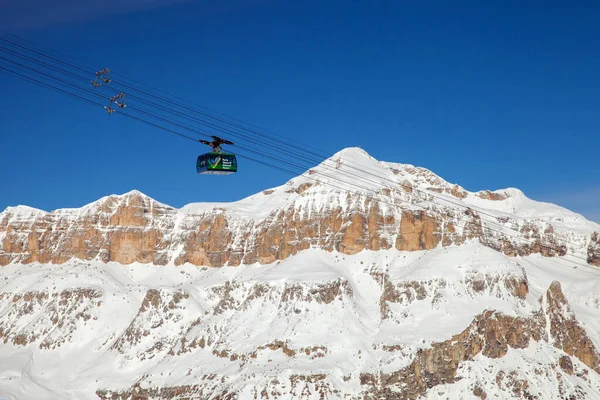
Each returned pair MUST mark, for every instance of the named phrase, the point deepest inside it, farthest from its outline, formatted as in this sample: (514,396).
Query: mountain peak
(134,193)
(22,210)
(357,157)
(352,152)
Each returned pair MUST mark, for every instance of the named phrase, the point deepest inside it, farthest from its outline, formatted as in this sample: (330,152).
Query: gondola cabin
(214,163)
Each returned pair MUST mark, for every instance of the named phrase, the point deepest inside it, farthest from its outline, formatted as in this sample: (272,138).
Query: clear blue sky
(486,94)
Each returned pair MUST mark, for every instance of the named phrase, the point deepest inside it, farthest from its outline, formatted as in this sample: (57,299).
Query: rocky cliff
(330,208)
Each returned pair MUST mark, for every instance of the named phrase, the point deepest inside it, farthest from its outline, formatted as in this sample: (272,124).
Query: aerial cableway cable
(52,87)
(149,102)
(87,100)
(180,125)
(221,128)
(149,114)
(79,65)
(164,119)
(328,183)
(162,99)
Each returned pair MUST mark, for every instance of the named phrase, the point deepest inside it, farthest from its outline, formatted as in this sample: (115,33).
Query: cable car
(217,162)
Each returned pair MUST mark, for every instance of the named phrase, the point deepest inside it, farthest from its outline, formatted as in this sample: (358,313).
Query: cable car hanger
(216,143)
(115,99)
(104,75)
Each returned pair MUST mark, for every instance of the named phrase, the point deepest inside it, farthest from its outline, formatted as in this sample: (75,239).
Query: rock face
(407,214)
(135,228)
(418,231)
(487,195)
(566,333)
(593,251)
(123,229)
(490,334)
(24,323)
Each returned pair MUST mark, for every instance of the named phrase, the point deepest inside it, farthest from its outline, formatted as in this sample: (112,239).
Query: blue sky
(486,94)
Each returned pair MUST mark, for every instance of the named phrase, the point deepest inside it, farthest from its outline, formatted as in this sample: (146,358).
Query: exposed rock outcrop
(488,195)
(593,251)
(418,231)
(135,228)
(123,229)
(490,334)
(48,319)
(566,332)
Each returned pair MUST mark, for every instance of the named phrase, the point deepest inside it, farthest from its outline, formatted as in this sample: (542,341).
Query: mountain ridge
(355,157)
(409,208)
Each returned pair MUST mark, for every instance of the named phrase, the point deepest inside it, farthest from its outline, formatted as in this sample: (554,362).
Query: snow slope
(323,322)
(347,328)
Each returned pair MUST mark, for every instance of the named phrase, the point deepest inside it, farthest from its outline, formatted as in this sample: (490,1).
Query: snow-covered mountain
(359,279)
